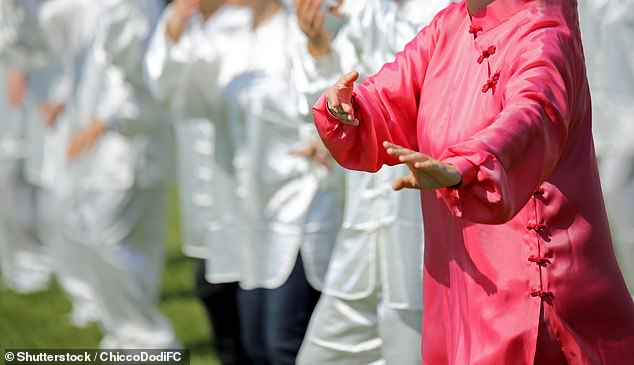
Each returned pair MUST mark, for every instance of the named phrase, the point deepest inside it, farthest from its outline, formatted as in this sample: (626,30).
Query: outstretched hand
(339,99)
(426,173)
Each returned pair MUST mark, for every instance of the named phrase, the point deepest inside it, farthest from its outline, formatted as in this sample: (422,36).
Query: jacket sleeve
(503,164)
(386,105)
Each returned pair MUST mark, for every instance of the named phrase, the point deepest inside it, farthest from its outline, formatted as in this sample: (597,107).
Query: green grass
(39,320)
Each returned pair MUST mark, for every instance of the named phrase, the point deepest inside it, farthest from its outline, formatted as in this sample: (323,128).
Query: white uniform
(24,263)
(608,38)
(181,76)
(115,194)
(69,28)
(371,310)
(292,204)
(277,189)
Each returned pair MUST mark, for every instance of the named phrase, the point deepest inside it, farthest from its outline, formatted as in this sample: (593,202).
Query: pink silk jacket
(503,96)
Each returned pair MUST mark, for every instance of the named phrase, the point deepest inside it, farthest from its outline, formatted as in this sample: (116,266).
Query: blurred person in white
(24,263)
(607,29)
(116,196)
(370,311)
(68,28)
(291,203)
(209,207)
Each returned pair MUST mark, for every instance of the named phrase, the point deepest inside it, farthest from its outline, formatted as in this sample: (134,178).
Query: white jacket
(185,76)
(290,203)
(243,70)
(64,26)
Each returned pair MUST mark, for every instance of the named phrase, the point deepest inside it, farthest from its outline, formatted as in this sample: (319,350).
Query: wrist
(319,50)
(320,46)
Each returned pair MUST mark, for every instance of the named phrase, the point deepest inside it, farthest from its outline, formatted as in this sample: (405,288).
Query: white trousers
(24,264)
(121,248)
(617,180)
(65,249)
(361,332)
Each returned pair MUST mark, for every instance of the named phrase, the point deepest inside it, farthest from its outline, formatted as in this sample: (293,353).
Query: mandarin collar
(496,13)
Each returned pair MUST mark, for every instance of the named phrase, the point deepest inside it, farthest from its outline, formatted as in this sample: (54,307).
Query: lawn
(39,320)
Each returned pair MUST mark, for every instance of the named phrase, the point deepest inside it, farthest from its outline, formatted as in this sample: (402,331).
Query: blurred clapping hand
(310,18)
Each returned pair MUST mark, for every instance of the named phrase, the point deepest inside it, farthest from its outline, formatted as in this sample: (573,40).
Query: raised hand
(310,19)
(426,173)
(85,139)
(181,11)
(339,98)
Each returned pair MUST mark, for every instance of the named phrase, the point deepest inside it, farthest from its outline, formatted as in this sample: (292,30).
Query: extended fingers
(318,21)
(405,154)
(302,19)
(395,150)
(426,164)
(309,16)
(313,12)
(348,79)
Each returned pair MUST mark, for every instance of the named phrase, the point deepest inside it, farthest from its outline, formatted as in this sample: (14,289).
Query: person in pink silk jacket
(489,108)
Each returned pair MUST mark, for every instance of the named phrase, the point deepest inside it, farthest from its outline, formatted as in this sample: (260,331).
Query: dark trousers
(274,321)
(220,303)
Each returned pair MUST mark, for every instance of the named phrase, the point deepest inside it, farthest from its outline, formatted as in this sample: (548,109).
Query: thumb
(348,79)
(406,182)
